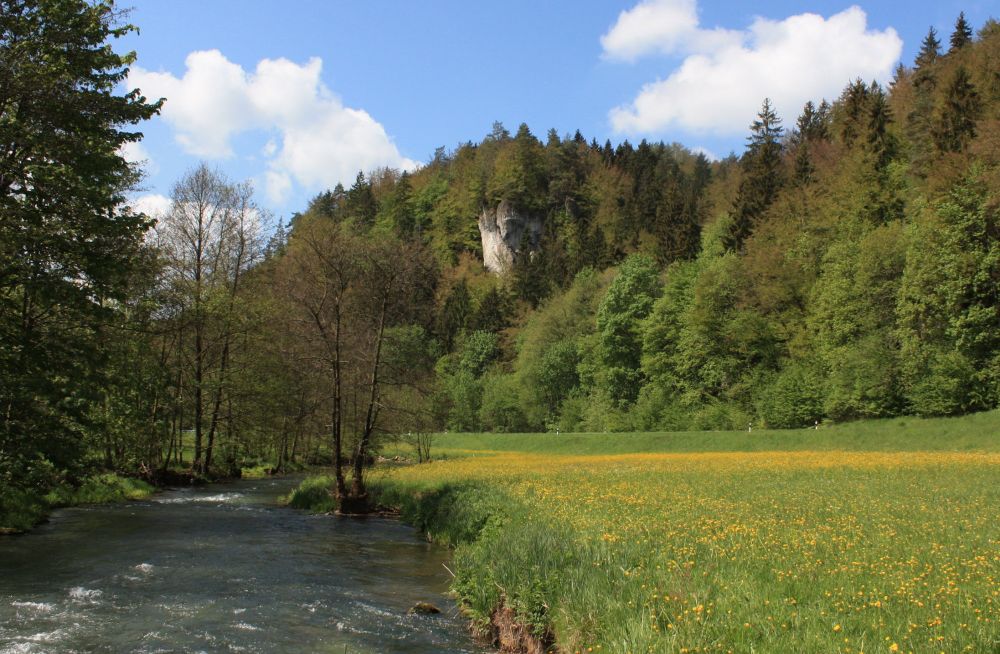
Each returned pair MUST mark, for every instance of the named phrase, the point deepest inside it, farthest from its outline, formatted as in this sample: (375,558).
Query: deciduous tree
(68,241)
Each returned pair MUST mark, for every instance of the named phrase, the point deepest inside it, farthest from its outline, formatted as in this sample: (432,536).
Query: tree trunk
(338,450)
(198,400)
(361,452)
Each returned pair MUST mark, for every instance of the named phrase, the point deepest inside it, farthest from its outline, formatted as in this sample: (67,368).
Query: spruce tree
(962,36)
(930,50)
(853,103)
(883,202)
(880,143)
(492,314)
(761,181)
(360,202)
(956,122)
(455,314)
(811,125)
(400,207)
(920,118)
(804,168)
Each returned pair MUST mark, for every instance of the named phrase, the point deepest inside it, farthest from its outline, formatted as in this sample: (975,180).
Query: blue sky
(349,85)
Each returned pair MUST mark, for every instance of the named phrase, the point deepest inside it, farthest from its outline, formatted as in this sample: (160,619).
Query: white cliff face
(504,231)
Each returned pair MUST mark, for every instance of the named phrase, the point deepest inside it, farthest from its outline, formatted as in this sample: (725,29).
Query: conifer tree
(804,168)
(455,314)
(880,142)
(853,103)
(360,203)
(920,118)
(962,36)
(531,278)
(898,75)
(607,153)
(326,203)
(811,125)
(646,190)
(498,133)
(492,314)
(400,207)
(276,244)
(761,165)
(930,50)
(883,202)
(956,123)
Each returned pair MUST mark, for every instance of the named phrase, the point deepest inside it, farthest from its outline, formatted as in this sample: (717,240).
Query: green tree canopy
(68,242)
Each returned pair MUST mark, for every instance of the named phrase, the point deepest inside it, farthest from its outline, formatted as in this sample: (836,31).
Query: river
(223,569)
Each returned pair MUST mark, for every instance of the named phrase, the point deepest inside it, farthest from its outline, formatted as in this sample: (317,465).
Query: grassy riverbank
(873,537)
(21,510)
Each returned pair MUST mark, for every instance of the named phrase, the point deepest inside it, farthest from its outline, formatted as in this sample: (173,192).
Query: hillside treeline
(846,265)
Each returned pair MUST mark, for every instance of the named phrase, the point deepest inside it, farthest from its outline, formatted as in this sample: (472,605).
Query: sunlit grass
(313,495)
(795,550)
(21,510)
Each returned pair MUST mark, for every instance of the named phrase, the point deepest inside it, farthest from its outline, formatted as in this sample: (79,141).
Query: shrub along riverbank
(879,536)
(21,510)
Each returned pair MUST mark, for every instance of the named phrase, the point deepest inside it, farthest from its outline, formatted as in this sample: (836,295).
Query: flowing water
(223,569)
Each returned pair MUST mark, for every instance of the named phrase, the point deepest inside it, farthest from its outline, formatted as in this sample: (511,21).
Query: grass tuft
(314,495)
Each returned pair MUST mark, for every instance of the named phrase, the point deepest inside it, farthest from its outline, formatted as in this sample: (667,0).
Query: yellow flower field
(805,551)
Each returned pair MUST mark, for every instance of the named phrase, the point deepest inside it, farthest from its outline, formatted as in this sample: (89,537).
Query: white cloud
(207,106)
(321,142)
(664,26)
(278,185)
(719,89)
(153,205)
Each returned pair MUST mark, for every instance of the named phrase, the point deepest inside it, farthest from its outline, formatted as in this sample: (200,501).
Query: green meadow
(878,536)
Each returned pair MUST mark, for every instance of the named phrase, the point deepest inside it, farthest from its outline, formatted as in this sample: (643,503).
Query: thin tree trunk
(198,399)
(358,485)
(338,452)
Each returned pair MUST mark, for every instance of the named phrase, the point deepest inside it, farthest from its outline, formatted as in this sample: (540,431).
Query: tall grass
(873,537)
(313,495)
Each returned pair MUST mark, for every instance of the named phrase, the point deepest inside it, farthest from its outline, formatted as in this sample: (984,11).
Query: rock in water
(424,608)
(505,232)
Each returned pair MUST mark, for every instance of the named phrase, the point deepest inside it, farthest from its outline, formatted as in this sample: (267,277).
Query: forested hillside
(846,265)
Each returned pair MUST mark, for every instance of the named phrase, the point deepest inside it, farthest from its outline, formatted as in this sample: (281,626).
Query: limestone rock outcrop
(507,234)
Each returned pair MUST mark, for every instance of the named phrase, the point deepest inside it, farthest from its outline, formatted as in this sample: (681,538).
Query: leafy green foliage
(68,244)
(628,301)
(949,303)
